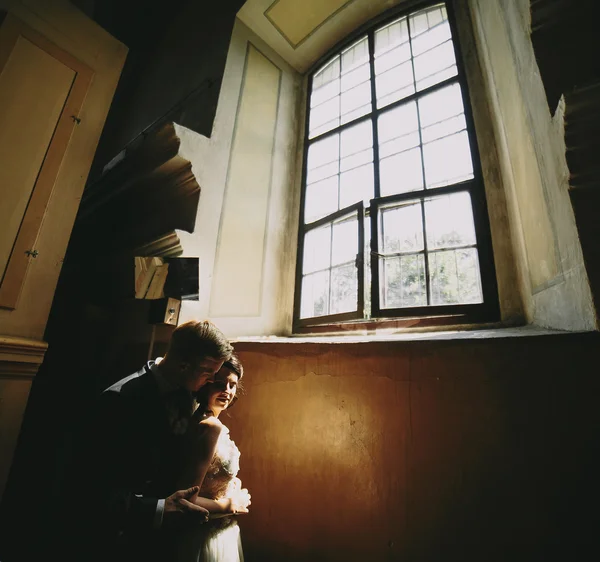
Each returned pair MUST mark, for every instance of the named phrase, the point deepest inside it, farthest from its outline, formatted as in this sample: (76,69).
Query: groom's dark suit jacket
(135,458)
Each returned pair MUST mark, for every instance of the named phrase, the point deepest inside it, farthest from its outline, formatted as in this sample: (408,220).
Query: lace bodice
(221,476)
(218,540)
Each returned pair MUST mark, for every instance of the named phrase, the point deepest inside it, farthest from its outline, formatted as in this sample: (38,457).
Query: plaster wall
(244,229)
(533,169)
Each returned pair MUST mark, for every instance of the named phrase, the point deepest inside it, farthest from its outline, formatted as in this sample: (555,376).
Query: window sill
(480,332)
(401,325)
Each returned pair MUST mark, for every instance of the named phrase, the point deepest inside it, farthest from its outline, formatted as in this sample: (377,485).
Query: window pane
(345,242)
(448,160)
(324,99)
(321,119)
(356,86)
(323,159)
(432,47)
(315,295)
(344,289)
(455,277)
(356,102)
(356,185)
(398,129)
(429,28)
(401,173)
(403,281)
(356,145)
(317,249)
(355,77)
(321,199)
(442,113)
(328,73)
(389,38)
(394,78)
(434,66)
(394,84)
(355,56)
(325,93)
(449,221)
(402,229)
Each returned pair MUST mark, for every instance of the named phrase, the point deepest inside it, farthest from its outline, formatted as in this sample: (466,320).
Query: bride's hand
(241,498)
(235,504)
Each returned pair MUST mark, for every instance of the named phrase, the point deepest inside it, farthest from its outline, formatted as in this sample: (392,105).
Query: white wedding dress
(219,539)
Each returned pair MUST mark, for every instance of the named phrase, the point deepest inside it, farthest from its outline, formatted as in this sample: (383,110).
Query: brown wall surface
(423,450)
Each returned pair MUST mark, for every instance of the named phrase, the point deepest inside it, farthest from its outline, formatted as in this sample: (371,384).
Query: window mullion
(375,293)
(376,188)
(330,266)
(360,263)
(373,244)
(426,259)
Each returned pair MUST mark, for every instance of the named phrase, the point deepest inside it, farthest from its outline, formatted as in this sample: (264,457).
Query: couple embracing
(164,468)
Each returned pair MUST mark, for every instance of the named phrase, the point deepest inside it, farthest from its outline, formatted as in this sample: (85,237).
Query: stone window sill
(457,333)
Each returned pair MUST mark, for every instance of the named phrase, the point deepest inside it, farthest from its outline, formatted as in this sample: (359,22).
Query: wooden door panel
(33,89)
(42,89)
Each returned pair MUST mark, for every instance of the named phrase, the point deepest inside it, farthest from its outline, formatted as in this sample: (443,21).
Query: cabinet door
(42,89)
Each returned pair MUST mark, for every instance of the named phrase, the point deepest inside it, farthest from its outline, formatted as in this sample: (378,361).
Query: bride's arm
(223,507)
(201,443)
(236,500)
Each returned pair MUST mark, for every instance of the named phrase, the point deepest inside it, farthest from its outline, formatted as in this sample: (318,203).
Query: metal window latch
(76,119)
(32,253)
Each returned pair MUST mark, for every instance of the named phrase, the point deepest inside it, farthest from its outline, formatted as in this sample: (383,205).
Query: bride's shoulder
(211,422)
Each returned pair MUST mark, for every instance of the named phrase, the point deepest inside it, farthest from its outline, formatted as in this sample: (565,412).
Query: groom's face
(200,372)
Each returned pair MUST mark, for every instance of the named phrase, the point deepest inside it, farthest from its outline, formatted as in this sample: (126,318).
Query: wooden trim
(168,245)
(45,44)
(20,357)
(310,33)
(155,180)
(16,270)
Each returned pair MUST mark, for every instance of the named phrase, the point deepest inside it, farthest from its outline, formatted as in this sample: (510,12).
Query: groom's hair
(195,340)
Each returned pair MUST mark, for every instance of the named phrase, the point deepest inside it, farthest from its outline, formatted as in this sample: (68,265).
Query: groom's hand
(180,504)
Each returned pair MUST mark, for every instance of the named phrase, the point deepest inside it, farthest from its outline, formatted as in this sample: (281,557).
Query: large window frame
(485,311)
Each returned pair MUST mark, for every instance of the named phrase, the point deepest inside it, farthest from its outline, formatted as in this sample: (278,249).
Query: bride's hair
(235,366)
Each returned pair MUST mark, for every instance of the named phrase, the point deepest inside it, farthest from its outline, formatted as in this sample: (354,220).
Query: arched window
(393,215)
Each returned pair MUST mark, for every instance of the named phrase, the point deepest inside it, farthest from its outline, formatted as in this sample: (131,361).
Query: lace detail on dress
(219,539)
(223,469)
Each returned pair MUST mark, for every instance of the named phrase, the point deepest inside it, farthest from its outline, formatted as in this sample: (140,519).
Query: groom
(136,449)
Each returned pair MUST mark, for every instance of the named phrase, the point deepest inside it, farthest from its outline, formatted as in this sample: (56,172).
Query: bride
(213,463)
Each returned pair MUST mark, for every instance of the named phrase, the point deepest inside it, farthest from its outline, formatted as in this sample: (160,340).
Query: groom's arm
(119,509)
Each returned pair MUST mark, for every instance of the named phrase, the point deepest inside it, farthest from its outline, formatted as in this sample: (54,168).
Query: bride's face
(222,391)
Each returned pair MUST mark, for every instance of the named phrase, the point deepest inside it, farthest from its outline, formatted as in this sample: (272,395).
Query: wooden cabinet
(58,74)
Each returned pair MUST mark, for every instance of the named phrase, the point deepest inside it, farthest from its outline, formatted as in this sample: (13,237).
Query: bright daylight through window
(394,220)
